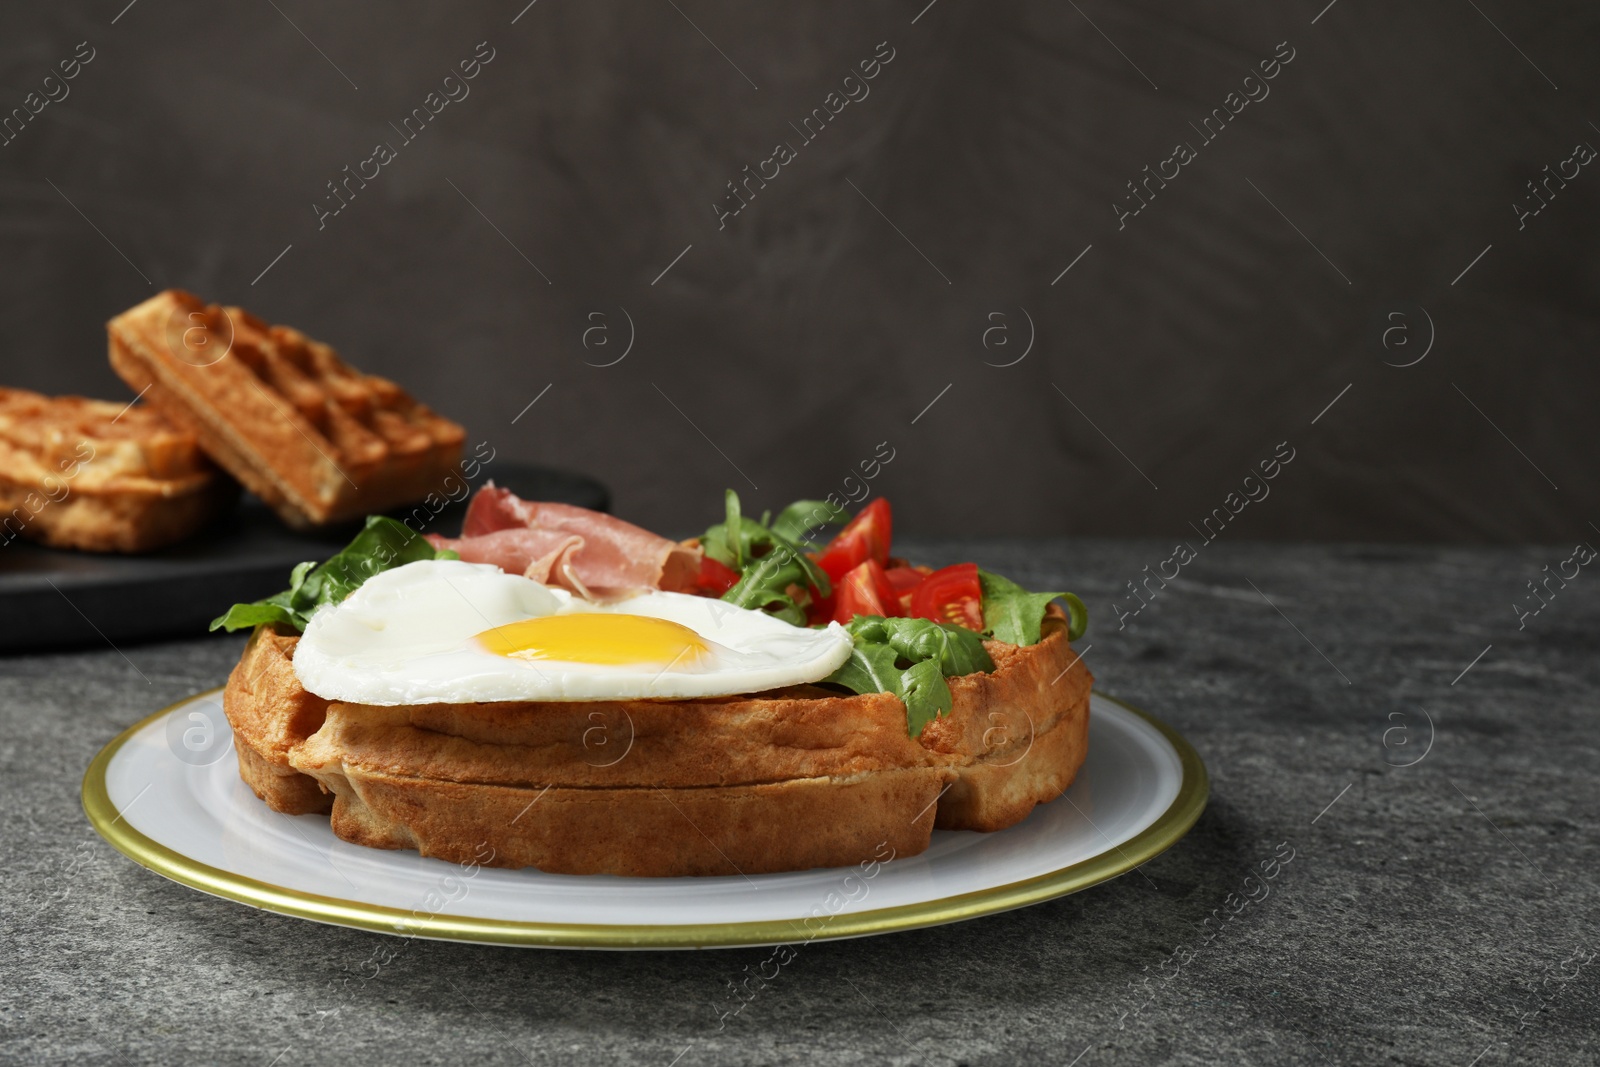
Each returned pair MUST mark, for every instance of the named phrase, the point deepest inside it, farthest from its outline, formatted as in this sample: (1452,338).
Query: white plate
(167,793)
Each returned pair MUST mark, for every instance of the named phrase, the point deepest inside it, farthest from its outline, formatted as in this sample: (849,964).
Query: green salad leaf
(1015,616)
(910,658)
(382,544)
(803,516)
(770,559)
(765,586)
(955,649)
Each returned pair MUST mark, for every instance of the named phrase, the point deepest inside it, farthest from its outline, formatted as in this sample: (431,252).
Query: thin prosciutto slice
(594,555)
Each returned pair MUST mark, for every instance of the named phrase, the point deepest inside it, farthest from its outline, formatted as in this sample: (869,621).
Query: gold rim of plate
(1150,842)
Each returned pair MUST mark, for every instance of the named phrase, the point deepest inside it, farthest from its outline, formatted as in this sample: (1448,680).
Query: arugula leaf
(765,585)
(870,669)
(736,540)
(262,612)
(1015,616)
(382,544)
(803,516)
(734,535)
(910,659)
(955,649)
(921,688)
(770,560)
(815,575)
(925,694)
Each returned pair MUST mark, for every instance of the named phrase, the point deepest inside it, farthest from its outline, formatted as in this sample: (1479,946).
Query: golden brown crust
(613,744)
(308,434)
(101,476)
(1000,788)
(1016,737)
(111,522)
(271,714)
(724,830)
(282,788)
(786,780)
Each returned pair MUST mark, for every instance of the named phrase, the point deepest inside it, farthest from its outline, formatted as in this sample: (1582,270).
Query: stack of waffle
(784,780)
(107,477)
(316,439)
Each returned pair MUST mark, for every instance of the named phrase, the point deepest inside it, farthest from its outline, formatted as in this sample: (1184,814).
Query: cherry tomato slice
(866,537)
(820,610)
(905,581)
(864,591)
(715,578)
(952,595)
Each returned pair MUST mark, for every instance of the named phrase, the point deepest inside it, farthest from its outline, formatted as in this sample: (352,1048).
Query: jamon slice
(584,551)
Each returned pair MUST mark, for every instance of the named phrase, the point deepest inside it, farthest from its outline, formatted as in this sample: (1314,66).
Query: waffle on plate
(426,701)
(783,780)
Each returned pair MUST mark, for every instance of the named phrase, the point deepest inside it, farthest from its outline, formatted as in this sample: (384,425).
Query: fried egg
(445,631)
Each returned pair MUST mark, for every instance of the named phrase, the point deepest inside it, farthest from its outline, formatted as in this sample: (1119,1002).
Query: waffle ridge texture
(101,476)
(316,439)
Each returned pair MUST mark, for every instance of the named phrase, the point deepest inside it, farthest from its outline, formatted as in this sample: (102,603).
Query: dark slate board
(50,597)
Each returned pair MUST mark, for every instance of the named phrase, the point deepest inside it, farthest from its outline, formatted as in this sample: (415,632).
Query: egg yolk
(598,638)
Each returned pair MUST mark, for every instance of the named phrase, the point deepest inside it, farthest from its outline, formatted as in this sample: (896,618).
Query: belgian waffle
(316,439)
(96,475)
(785,780)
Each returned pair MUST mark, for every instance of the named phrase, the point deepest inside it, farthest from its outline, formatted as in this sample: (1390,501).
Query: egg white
(406,636)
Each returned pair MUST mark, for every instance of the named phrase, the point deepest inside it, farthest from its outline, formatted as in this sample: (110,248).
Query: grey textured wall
(907,252)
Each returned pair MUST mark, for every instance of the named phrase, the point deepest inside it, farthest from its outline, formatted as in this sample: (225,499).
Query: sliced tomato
(715,578)
(820,610)
(953,595)
(865,537)
(905,581)
(864,591)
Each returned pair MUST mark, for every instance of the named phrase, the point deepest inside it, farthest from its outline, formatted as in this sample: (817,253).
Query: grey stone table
(1430,764)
